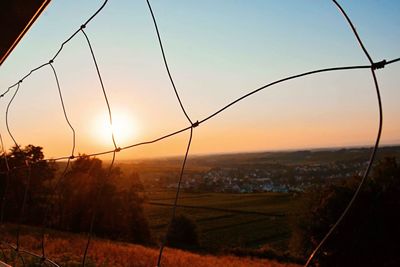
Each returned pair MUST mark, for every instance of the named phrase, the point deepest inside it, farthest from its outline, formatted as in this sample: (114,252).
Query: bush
(182,233)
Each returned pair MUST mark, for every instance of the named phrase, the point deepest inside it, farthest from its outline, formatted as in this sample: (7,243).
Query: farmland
(227,220)
(252,219)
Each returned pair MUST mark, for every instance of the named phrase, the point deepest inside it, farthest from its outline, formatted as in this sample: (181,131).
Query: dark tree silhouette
(26,164)
(89,187)
(369,234)
(86,186)
(183,233)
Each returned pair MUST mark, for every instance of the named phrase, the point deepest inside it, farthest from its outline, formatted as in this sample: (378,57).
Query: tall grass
(66,249)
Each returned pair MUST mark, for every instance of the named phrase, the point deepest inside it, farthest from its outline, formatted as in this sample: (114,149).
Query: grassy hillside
(66,249)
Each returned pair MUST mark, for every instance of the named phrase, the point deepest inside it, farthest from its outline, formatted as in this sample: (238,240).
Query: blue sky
(217,50)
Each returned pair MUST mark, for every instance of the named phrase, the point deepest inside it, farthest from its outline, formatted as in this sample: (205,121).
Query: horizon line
(264,151)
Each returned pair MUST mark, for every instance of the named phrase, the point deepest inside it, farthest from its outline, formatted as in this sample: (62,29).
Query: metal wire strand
(61,178)
(392,61)
(8,89)
(3,199)
(7,110)
(353,28)
(48,208)
(19,256)
(23,207)
(23,78)
(28,182)
(95,208)
(33,254)
(29,175)
(220,110)
(102,87)
(64,110)
(164,241)
(364,177)
(73,35)
(373,153)
(280,81)
(59,50)
(166,63)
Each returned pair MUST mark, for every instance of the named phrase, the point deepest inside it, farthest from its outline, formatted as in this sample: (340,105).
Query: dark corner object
(16,17)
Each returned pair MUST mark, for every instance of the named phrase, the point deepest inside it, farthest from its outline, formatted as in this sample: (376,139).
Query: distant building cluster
(269,178)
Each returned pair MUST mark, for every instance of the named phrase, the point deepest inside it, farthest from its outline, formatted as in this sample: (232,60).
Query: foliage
(89,188)
(368,235)
(182,233)
(69,200)
(28,170)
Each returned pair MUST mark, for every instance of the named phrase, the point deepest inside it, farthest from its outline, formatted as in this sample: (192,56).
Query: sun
(124,128)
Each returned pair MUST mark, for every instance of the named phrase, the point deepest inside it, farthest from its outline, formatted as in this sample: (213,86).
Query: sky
(217,51)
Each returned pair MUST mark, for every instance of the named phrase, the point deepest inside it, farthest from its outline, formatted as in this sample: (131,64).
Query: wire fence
(20,252)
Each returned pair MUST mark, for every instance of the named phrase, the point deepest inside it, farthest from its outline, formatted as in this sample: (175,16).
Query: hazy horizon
(196,155)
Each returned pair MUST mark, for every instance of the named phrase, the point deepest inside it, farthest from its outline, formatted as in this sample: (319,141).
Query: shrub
(183,233)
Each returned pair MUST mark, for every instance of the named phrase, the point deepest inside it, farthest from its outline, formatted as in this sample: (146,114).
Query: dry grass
(67,250)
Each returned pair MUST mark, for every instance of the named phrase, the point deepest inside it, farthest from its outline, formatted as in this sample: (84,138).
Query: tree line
(65,199)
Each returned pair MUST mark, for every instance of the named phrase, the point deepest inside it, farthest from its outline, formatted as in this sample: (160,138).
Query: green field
(227,220)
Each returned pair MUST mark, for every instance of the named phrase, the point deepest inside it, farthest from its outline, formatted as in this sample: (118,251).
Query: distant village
(268,178)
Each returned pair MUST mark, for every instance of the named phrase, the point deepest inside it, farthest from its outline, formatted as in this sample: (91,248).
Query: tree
(27,170)
(78,192)
(89,188)
(369,233)
(183,233)
(86,188)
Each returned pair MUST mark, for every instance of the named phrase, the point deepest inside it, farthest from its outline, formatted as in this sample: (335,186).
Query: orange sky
(213,61)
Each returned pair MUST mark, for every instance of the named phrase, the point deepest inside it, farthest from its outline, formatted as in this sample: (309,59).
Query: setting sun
(124,128)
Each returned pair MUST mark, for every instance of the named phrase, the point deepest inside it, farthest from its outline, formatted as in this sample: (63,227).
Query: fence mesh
(21,252)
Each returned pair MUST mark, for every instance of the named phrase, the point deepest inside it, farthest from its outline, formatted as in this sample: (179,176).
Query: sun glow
(123,126)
